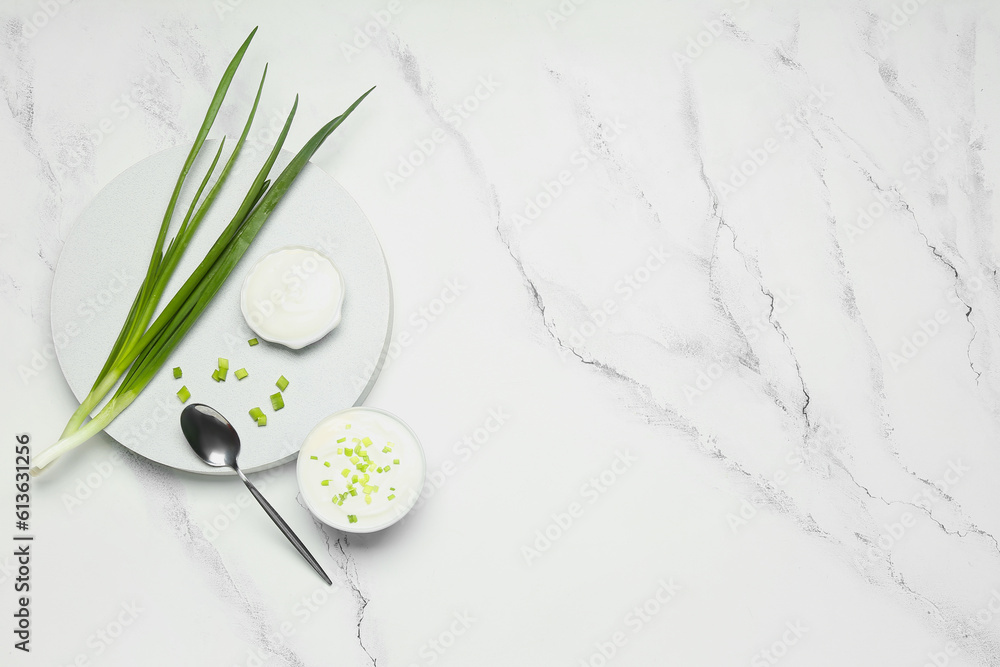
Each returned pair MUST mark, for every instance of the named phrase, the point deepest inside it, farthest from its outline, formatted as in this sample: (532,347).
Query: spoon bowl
(210,435)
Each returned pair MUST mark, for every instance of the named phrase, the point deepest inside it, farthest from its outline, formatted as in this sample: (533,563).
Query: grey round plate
(105,258)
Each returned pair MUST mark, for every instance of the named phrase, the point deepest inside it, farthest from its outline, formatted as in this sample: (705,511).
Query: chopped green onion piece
(386,468)
(262,420)
(222,374)
(276,401)
(368,500)
(342,439)
(325,482)
(215,375)
(183,394)
(376,488)
(256,413)
(252,342)
(347,426)
(378,469)
(223,363)
(177,372)
(352,518)
(366,441)
(354,492)
(326,463)
(386,450)
(345,472)
(368,489)
(365,478)
(282,383)
(314,458)
(241,373)
(395,461)
(355,459)
(354,479)
(390,496)
(340,450)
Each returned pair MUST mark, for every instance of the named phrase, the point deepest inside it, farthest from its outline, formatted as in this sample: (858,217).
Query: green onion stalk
(144,344)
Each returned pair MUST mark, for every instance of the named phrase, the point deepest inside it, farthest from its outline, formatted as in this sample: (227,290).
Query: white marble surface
(793,407)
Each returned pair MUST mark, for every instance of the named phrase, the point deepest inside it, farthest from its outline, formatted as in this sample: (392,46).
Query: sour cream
(293,296)
(327,491)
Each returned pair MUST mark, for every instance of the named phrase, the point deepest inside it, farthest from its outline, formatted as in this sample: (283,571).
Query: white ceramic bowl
(254,318)
(408,476)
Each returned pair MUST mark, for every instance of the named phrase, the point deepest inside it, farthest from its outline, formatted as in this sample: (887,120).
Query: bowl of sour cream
(293,296)
(361,470)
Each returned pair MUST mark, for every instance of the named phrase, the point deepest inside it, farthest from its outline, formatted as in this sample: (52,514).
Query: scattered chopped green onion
(215,375)
(222,374)
(241,373)
(262,420)
(342,439)
(282,383)
(276,401)
(314,458)
(252,342)
(352,518)
(223,363)
(183,394)
(326,463)
(325,482)
(354,492)
(177,372)
(256,413)
(390,496)
(368,500)
(395,462)
(366,441)
(345,472)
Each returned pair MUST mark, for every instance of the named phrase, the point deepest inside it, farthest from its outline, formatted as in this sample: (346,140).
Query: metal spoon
(217,443)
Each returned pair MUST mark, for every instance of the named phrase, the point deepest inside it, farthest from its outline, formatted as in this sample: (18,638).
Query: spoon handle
(289,533)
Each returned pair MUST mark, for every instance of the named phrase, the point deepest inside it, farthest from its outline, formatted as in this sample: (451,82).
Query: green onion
(256,413)
(348,426)
(142,348)
(386,468)
(252,342)
(222,374)
(276,401)
(354,492)
(215,375)
(352,518)
(325,482)
(345,472)
(223,363)
(282,383)
(241,373)
(326,463)
(262,420)
(366,441)
(390,496)
(368,500)
(395,462)
(177,372)
(342,439)
(183,394)
(314,458)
